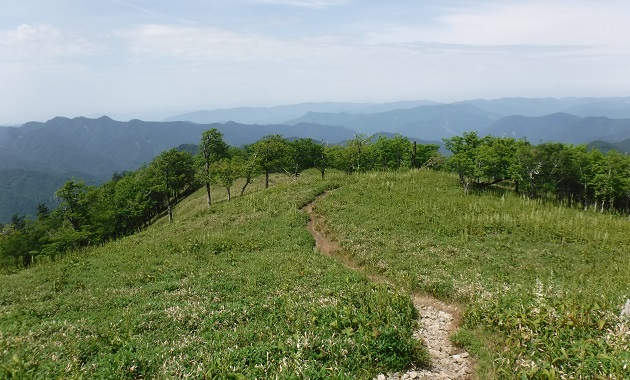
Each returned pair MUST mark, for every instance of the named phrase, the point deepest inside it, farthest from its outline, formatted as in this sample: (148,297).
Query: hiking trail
(438,320)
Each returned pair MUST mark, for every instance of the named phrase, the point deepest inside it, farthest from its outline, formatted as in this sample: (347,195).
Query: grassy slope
(543,285)
(236,289)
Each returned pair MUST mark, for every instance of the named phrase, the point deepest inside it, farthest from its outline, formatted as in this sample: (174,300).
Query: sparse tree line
(87,215)
(570,174)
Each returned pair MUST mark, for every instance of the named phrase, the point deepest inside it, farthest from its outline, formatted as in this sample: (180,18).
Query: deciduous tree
(173,172)
(226,171)
(212,148)
(272,153)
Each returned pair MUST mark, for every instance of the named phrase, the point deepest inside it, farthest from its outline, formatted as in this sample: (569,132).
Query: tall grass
(543,285)
(231,291)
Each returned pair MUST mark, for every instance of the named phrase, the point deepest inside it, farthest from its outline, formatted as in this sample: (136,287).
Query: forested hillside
(130,201)
(95,149)
(572,175)
(529,238)
(561,127)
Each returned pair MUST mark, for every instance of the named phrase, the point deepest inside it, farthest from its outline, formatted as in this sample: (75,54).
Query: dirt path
(437,319)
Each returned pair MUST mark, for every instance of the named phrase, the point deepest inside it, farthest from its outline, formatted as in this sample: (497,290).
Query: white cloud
(537,23)
(191,43)
(564,25)
(236,53)
(41,41)
(207,44)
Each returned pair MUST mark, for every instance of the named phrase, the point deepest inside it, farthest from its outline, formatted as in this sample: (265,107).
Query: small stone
(380,377)
(413,374)
(464,354)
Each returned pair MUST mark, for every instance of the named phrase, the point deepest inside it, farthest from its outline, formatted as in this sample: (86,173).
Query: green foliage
(226,171)
(307,154)
(172,172)
(273,155)
(476,159)
(427,156)
(548,332)
(394,153)
(339,158)
(359,153)
(463,161)
(542,285)
(93,215)
(211,150)
(235,291)
(74,202)
(131,200)
(570,174)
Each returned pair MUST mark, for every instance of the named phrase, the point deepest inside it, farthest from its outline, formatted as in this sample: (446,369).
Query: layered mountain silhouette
(561,127)
(424,122)
(279,114)
(99,147)
(38,157)
(614,108)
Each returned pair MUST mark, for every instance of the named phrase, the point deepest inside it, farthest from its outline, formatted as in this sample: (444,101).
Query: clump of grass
(231,291)
(543,285)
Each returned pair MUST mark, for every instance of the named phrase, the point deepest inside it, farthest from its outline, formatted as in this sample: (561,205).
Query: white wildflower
(625,312)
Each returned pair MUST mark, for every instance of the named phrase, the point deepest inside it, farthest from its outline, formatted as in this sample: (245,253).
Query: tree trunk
(244,186)
(170,212)
(208,192)
(414,164)
(248,180)
(228,193)
(266,179)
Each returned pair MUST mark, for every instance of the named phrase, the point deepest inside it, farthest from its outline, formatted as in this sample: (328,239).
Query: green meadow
(234,291)
(238,291)
(543,285)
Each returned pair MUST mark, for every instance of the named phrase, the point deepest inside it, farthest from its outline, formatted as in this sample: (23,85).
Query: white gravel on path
(438,321)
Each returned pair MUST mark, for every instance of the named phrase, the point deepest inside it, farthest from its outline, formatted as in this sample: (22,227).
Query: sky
(151,59)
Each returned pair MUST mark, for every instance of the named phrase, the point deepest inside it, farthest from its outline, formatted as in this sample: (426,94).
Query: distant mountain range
(603,146)
(279,114)
(614,108)
(37,158)
(425,122)
(561,127)
(99,147)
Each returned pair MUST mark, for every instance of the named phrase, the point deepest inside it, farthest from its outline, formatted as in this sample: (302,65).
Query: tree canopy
(129,202)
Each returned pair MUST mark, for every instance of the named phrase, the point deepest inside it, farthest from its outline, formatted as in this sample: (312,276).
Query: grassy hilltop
(232,290)
(237,289)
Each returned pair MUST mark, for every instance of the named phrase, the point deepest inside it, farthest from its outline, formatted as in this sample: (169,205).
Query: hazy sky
(155,58)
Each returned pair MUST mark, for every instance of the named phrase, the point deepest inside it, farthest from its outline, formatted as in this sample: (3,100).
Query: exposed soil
(438,320)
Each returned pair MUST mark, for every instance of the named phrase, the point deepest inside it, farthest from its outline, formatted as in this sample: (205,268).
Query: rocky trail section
(437,319)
